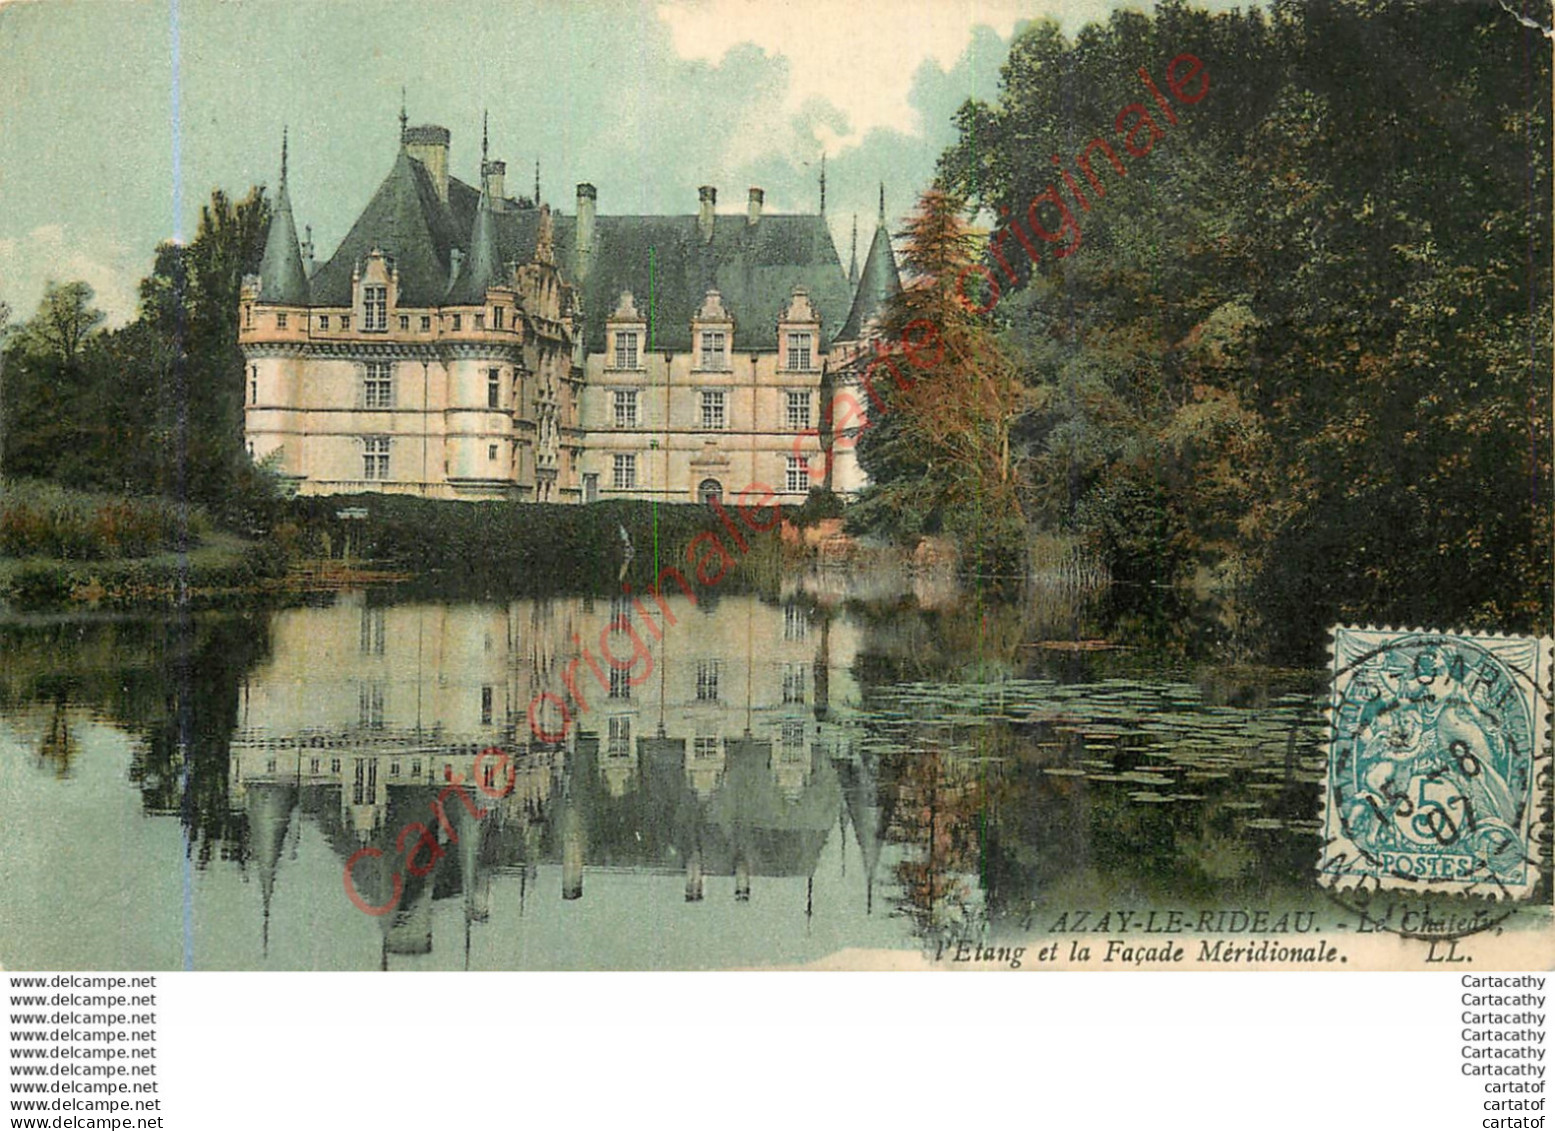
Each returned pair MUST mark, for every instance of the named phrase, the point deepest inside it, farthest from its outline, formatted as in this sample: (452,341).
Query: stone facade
(464,344)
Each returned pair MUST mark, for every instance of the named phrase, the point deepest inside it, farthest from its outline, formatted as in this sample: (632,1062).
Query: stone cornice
(511,353)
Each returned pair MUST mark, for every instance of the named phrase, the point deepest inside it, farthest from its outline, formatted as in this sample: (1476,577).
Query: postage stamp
(1438,764)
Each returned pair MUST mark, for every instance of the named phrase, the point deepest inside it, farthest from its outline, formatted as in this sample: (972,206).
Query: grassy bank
(222,566)
(66,546)
(60,546)
(44,520)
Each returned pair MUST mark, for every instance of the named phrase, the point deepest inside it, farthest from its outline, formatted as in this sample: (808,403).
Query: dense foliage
(155,407)
(1301,351)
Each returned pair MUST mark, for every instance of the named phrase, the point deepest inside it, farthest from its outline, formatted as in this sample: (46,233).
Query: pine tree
(945,396)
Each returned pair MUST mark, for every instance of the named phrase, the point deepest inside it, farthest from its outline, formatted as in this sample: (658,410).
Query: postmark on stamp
(1438,774)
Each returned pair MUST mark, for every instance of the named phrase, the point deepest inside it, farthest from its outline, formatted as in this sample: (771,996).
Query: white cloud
(861,58)
(52,252)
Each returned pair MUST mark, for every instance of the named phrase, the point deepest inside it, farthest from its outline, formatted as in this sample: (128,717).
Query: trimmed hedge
(533,546)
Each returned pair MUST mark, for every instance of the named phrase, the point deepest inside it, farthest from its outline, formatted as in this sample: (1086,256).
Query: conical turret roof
(281,275)
(480,267)
(878,283)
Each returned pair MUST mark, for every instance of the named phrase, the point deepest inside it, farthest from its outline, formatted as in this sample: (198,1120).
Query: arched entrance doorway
(710,491)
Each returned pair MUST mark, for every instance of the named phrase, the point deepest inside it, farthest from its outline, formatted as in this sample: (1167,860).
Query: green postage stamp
(1438,775)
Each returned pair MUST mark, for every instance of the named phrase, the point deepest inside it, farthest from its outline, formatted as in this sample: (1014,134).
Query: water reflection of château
(726,765)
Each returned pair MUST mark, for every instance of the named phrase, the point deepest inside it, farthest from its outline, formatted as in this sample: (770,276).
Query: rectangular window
(704,745)
(620,683)
(415,768)
(620,736)
(707,681)
(458,322)
(394,769)
(253,384)
(623,472)
(313,766)
(404,323)
(486,697)
(280,321)
(369,705)
(493,388)
(345,321)
(426,323)
(797,479)
(323,322)
(626,349)
(480,321)
(334,765)
(793,683)
(798,411)
(799,351)
(498,313)
(796,623)
(626,408)
(793,735)
(713,416)
(372,632)
(375,308)
(714,345)
(375,457)
(491,451)
(378,385)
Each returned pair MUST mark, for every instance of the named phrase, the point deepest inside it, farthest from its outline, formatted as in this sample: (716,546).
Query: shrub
(44,520)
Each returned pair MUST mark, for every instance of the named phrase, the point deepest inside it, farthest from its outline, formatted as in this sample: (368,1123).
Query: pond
(751,781)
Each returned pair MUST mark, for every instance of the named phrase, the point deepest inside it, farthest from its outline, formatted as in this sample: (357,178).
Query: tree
(190,356)
(1303,345)
(938,447)
(65,319)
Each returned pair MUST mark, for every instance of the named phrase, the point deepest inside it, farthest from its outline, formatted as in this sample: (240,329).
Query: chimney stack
(753,210)
(495,184)
(707,197)
(429,145)
(584,236)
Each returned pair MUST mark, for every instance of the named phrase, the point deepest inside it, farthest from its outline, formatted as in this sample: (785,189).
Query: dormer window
(323,322)
(711,329)
(799,351)
(715,349)
(375,308)
(626,349)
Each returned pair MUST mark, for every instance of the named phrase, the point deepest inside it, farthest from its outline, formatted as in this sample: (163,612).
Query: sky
(117,120)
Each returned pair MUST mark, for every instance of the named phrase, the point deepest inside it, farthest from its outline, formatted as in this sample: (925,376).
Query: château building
(464,343)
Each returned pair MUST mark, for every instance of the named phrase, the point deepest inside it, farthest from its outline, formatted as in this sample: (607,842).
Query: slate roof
(481,269)
(281,275)
(877,284)
(755,267)
(406,221)
(667,266)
